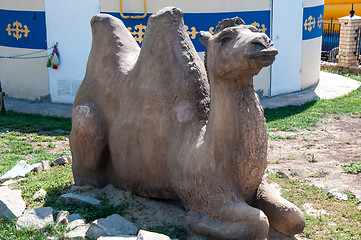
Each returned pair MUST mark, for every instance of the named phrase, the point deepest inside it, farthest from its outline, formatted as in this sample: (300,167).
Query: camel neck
(236,116)
(236,123)
(231,104)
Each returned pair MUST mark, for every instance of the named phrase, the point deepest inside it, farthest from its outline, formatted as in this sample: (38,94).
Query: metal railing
(330,40)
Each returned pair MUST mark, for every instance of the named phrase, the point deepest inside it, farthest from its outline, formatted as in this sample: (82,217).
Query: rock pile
(114,227)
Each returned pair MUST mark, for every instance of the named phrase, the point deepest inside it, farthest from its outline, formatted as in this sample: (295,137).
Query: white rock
(43,165)
(8,182)
(113,225)
(145,235)
(78,232)
(63,160)
(19,170)
(336,193)
(39,195)
(124,237)
(75,216)
(36,218)
(76,223)
(11,203)
(62,218)
(11,181)
(79,198)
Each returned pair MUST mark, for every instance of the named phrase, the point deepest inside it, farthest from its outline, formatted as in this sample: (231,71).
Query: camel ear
(204,37)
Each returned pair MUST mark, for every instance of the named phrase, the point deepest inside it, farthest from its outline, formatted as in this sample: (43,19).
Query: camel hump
(113,46)
(113,54)
(169,64)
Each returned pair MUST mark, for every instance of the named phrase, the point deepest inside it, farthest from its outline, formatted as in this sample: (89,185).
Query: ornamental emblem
(18,30)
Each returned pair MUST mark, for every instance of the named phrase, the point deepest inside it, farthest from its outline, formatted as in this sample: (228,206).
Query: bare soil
(316,156)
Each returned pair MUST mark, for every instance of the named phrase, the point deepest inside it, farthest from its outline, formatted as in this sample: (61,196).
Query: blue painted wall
(312,22)
(23,29)
(201,22)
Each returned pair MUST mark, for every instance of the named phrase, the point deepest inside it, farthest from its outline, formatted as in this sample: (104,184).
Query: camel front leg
(283,215)
(239,221)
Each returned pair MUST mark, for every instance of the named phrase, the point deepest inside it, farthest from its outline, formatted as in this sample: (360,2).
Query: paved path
(330,86)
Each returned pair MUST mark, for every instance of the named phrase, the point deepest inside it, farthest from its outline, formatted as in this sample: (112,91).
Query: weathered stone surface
(336,193)
(19,170)
(125,237)
(79,198)
(39,195)
(62,218)
(145,235)
(63,160)
(36,218)
(76,223)
(78,232)
(11,203)
(113,225)
(8,182)
(75,216)
(43,165)
(158,132)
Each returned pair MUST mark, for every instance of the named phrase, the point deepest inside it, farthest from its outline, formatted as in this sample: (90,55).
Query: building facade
(30,28)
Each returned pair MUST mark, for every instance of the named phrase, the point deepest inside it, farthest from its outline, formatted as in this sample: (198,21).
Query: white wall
(190,6)
(68,23)
(287,18)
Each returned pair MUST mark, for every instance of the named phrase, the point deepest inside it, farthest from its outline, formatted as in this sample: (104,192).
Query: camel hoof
(283,215)
(255,229)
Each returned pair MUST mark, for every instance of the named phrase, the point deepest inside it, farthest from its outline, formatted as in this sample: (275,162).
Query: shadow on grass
(274,114)
(34,123)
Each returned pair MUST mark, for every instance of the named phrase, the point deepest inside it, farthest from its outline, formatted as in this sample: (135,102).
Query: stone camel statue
(146,120)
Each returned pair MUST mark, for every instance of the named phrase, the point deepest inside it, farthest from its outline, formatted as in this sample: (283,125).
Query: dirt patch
(316,156)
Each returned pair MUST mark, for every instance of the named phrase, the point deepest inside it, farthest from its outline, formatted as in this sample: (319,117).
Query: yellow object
(17,30)
(133,17)
(340,8)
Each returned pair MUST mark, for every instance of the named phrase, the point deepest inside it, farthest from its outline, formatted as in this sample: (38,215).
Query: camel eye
(224,40)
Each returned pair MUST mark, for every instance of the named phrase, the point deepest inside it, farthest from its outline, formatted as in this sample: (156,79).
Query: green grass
(292,118)
(34,123)
(342,218)
(352,167)
(8,231)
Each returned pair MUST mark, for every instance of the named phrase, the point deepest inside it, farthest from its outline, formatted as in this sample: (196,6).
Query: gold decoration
(192,34)
(261,28)
(211,30)
(17,31)
(310,23)
(140,32)
(320,21)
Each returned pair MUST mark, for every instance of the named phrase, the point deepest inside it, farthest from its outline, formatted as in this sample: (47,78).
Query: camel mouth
(265,55)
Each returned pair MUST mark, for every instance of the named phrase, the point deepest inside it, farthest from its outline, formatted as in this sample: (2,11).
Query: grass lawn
(35,138)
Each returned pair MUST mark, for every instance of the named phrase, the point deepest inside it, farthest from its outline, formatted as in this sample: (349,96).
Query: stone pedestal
(348,38)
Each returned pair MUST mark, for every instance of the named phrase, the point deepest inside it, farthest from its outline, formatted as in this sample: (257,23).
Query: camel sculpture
(146,120)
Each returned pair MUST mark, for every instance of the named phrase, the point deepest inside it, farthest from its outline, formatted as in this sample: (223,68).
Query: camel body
(147,121)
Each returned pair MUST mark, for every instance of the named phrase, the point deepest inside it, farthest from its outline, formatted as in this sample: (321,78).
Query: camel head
(236,51)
